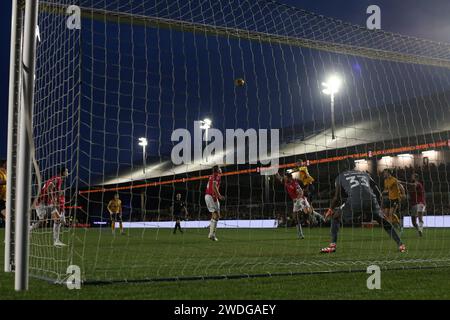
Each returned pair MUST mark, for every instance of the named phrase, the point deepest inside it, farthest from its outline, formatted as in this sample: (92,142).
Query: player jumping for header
(307,184)
(362,193)
(301,206)
(212,198)
(51,203)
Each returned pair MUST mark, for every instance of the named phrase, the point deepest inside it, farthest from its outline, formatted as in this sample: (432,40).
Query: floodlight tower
(330,88)
(143,142)
(205,124)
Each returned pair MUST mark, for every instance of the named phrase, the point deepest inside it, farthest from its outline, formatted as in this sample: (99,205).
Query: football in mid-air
(239,82)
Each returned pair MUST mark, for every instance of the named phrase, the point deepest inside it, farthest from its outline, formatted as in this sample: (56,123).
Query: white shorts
(301,204)
(418,208)
(44,211)
(213,206)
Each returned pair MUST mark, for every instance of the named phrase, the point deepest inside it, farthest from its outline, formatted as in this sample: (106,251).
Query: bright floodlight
(143,142)
(332,85)
(206,124)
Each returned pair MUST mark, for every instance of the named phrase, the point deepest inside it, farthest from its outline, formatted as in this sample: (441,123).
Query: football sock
(414,223)
(212,227)
(335,224)
(56,231)
(215,226)
(299,230)
(35,225)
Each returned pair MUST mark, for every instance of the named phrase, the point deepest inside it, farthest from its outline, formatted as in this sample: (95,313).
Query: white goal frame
(21,97)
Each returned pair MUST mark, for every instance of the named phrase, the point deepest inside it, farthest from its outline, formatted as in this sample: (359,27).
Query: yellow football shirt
(115,205)
(305,177)
(391,185)
(3,186)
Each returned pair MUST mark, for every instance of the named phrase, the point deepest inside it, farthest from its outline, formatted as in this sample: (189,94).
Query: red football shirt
(209,188)
(417,194)
(293,189)
(45,196)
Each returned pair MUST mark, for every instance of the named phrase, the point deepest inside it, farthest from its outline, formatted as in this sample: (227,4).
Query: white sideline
(224,224)
(430,222)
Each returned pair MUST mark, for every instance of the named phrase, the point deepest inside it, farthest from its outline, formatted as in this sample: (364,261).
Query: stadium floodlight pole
(331,87)
(16,32)
(206,124)
(23,173)
(143,142)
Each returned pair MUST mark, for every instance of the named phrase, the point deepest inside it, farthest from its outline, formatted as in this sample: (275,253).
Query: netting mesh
(145,68)
(56,130)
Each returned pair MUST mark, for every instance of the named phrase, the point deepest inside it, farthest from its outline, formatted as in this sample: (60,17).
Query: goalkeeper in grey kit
(361,193)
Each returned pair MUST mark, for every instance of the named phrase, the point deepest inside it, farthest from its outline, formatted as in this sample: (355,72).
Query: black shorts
(177,216)
(365,209)
(388,203)
(2,205)
(116,216)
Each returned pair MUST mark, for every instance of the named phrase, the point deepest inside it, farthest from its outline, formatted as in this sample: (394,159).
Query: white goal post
(20,105)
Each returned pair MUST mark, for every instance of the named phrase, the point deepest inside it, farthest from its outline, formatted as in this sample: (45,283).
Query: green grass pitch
(149,254)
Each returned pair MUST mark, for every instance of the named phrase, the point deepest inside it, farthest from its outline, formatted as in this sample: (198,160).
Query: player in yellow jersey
(308,188)
(393,194)
(305,177)
(3,188)
(115,211)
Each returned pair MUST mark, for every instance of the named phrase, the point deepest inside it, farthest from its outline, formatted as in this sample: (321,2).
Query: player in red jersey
(212,197)
(301,204)
(51,203)
(417,201)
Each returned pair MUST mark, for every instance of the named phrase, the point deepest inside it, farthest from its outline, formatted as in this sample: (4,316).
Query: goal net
(143,69)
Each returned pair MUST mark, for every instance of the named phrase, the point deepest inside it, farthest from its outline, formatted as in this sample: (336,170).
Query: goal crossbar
(211,30)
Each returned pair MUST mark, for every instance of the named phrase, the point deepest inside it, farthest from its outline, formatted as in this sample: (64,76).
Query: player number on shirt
(356,181)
